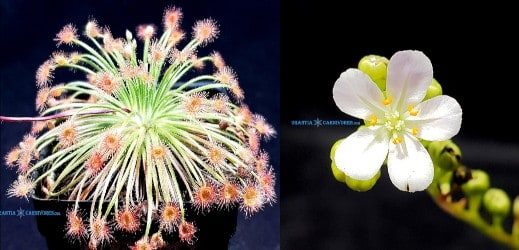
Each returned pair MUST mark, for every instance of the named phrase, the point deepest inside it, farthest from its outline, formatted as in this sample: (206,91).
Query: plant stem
(472,217)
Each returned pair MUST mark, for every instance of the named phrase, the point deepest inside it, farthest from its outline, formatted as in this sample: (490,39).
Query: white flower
(395,122)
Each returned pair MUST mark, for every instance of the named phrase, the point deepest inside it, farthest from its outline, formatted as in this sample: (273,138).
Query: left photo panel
(138,125)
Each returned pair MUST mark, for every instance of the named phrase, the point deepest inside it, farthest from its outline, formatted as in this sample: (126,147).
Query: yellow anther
(373,120)
(397,140)
(412,111)
(414,131)
(387,101)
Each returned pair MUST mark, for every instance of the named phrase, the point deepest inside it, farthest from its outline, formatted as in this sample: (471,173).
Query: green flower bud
(497,203)
(425,143)
(445,188)
(361,185)
(376,68)
(445,154)
(435,89)
(443,179)
(337,173)
(381,83)
(515,226)
(334,147)
(357,185)
(475,188)
(516,208)
(479,183)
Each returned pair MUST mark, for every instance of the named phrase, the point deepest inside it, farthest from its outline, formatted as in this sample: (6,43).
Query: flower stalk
(472,217)
(458,211)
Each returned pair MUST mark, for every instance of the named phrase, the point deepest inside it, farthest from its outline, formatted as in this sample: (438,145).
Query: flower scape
(140,140)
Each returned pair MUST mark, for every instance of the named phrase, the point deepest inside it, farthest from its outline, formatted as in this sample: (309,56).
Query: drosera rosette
(140,140)
(408,126)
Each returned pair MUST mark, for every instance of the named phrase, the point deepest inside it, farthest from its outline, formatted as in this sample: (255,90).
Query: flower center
(395,125)
(394,122)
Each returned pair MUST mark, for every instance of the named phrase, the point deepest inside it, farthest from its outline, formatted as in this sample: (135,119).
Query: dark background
(249,42)
(474,55)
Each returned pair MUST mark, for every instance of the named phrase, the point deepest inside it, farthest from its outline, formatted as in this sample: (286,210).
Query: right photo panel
(398,127)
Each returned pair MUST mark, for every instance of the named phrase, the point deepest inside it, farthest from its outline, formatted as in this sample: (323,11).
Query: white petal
(409,165)
(409,74)
(438,118)
(361,154)
(356,95)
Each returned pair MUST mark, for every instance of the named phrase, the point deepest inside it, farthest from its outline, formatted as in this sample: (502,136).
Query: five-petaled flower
(395,121)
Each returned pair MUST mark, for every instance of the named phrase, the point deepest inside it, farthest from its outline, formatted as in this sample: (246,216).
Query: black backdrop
(474,56)
(249,42)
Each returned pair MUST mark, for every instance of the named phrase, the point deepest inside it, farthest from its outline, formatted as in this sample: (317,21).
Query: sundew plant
(138,138)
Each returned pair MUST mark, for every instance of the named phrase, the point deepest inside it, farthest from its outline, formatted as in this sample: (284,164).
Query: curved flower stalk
(464,193)
(425,128)
(140,139)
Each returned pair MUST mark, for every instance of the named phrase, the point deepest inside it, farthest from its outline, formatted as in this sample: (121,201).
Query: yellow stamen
(414,131)
(412,111)
(373,120)
(387,101)
(397,140)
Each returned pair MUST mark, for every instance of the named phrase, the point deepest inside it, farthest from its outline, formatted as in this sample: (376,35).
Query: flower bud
(361,185)
(445,154)
(425,143)
(334,147)
(479,183)
(376,68)
(475,188)
(443,180)
(515,226)
(337,173)
(497,203)
(516,208)
(435,89)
